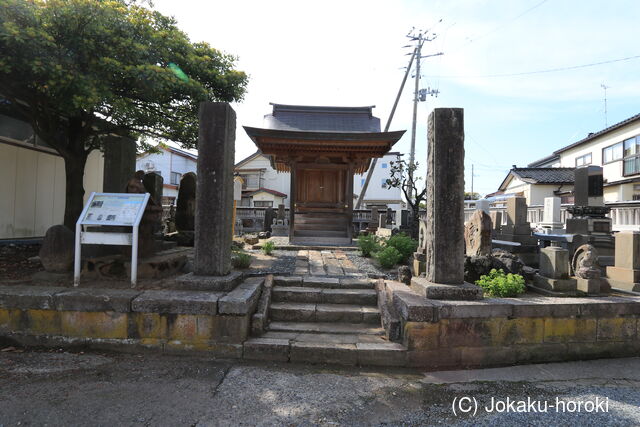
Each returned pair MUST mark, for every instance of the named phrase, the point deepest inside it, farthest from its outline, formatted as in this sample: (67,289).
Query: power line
(526,73)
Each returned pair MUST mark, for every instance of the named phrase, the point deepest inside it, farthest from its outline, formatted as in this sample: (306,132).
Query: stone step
(304,312)
(325,282)
(326,348)
(326,328)
(366,297)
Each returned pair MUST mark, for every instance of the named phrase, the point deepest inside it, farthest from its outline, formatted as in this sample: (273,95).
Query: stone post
(214,200)
(119,163)
(444,238)
(186,204)
(153,183)
(626,272)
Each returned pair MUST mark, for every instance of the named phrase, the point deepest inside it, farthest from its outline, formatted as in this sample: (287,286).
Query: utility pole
(603,86)
(471,179)
(412,153)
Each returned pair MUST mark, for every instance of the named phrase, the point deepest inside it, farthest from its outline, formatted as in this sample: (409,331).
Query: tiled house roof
(557,176)
(322,119)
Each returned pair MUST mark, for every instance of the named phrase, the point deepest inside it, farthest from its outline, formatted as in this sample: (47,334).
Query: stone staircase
(325,320)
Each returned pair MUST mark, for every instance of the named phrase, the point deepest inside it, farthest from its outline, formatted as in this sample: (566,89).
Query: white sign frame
(103,238)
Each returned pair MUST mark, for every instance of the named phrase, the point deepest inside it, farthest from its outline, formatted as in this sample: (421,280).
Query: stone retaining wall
(506,331)
(165,320)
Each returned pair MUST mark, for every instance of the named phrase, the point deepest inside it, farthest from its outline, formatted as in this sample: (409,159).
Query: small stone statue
(585,262)
(404,275)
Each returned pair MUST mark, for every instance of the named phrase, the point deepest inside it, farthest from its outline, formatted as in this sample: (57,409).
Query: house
(32,181)
(170,163)
(263,186)
(537,183)
(616,149)
(378,192)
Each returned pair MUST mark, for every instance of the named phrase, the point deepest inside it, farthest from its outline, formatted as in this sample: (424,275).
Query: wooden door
(321,190)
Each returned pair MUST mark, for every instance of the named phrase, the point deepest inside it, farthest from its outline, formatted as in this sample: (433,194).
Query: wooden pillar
(292,202)
(349,196)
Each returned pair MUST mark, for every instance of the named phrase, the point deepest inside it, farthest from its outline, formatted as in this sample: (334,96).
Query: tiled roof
(597,134)
(545,175)
(544,160)
(322,119)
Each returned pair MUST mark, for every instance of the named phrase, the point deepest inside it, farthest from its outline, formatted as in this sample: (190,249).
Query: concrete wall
(32,189)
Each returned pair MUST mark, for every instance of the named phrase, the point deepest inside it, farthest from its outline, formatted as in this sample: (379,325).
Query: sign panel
(114,209)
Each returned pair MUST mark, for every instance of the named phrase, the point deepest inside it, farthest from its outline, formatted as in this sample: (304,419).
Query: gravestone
(382,220)
(269,216)
(496,221)
(58,249)
(372,227)
(589,212)
(554,271)
(280,227)
(444,238)
(186,204)
(214,201)
(625,274)
(477,234)
(153,183)
(518,230)
(551,222)
(151,220)
(119,163)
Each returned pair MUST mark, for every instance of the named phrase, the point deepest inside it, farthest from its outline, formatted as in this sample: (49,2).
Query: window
(251,181)
(612,153)
(175,178)
(384,166)
(263,204)
(362,182)
(583,160)
(245,201)
(631,163)
(384,183)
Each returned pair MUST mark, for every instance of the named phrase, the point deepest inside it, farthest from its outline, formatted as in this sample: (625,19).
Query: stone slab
(28,297)
(438,291)
(625,286)
(193,282)
(620,274)
(321,282)
(588,286)
(297,294)
(381,354)
(287,280)
(176,302)
(272,349)
(118,300)
(311,352)
(243,299)
(556,285)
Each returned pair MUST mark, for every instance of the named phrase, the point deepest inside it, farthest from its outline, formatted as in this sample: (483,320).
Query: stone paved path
(325,263)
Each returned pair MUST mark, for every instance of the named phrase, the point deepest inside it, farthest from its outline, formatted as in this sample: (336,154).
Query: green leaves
(499,284)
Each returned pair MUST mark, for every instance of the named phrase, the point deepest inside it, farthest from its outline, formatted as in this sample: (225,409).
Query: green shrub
(388,257)
(368,244)
(499,284)
(404,244)
(241,260)
(268,247)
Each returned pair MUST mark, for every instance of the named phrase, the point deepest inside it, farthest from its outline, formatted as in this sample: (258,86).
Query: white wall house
(32,181)
(616,149)
(378,192)
(171,163)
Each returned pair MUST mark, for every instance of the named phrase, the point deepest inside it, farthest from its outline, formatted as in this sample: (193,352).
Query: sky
(350,53)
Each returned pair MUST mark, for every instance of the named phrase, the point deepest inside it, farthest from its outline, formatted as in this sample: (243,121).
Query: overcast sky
(350,53)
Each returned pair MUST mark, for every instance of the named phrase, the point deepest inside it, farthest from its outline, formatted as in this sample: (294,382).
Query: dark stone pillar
(444,233)
(153,183)
(186,205)
(119,163)
(214,193)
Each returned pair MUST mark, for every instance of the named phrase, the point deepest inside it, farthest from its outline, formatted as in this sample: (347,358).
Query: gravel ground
(371,267)
(63,388)
(279,262)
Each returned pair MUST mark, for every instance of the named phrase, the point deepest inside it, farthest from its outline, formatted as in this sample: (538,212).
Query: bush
(241,260)
(368,244)
(404,244)
(498,284)
(388,257)
(268,247)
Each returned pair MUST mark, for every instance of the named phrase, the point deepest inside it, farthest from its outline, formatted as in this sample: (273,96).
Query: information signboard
(111,209)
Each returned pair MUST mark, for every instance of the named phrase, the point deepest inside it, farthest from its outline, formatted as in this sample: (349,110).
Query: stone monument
(554,274)
(589,211)
(269,216)
(186,204)
(518,230)
(444,225)
(214,201)
(119,163)
(477,234)
(151,221)
(585,261)
(551,217)
(496,222)
(373,222)
(625,274)
(280,225)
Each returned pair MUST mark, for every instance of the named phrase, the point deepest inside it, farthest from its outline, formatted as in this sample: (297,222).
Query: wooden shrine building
(322,148)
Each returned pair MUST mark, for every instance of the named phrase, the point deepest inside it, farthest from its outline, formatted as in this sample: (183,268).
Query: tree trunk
(74,169)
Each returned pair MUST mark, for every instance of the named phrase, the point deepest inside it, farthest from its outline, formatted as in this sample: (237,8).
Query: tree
(403,177)
(471,196)
(80,70)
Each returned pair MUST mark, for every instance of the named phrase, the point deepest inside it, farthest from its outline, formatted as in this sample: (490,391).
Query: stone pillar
(444,238)
(517,212)
(496,221)
(477,234)
(214,200)
(214,192)
(153,183)
(554,270)
(186,204)
(626,272)
(119,163)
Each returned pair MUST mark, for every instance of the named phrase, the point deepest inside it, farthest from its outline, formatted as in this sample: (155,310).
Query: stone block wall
(507,331)
(216,323)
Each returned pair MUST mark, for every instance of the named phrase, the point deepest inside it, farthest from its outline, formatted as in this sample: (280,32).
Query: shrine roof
(322,118)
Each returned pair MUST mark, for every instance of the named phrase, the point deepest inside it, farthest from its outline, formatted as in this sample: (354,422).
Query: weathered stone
(264,235)
(28,297)
(57,250)
(194,282)
(588,186)
(118,300)
(272,349)
(287,280)
(340,354)
(214,192)
(297,294)
(243,299)
(269,216)
(554,262)
(381,354)
(589,286)
(153,183)
(176,302)
(119,163)
(444,238)
(430,290)
(496,220)
(251,239)
(517,211)
(404,274)
(186,204)
(477,234)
